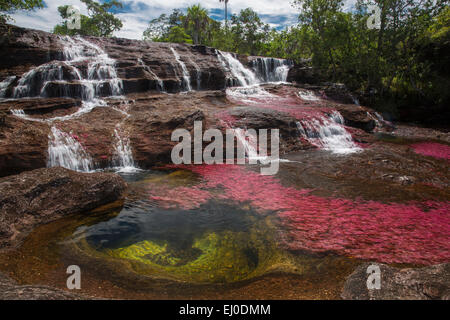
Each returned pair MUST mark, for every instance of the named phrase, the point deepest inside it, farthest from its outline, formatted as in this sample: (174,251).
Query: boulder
(40,196)
(428,283)
(23,145)
(253,118)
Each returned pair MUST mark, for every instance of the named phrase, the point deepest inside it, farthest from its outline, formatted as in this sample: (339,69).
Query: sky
(136,14)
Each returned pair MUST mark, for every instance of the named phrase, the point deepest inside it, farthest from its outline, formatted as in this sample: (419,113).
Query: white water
(249,144)
(101,68)
(123,154)
(67,152)
(186,76)
(328,133)
(158,80)
(308,95)
(246,94)
(199,73)
(271,69)
(244,76)
(100,79)
(5,84)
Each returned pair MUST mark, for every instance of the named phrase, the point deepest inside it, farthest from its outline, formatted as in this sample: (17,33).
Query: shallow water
(229,230)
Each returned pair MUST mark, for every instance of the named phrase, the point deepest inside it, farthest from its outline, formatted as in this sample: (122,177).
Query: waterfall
(328,133)
(158,80)
(245,77)
(123,155)
(101,79)
(5,84)
(69,79)
(65,79)
(186,76)
(198,72)
(271,69)
(65,151)
(248,144)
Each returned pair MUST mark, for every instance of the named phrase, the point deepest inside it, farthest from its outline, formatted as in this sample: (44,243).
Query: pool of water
(228,232)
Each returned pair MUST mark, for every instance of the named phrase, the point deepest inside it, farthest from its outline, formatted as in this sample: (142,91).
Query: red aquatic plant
(386,232)
(432,149)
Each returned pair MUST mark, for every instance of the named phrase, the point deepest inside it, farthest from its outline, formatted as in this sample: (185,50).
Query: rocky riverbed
(352,188)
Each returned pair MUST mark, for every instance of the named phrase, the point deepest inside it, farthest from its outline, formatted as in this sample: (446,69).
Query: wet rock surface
(290,139)
(428,283)
(40,196)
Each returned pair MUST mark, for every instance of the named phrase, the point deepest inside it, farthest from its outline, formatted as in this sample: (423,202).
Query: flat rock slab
(428,283)
(10,290)
(43,195)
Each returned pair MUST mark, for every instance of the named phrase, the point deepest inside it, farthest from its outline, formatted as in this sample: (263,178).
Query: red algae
(432,149)
(179,197)
(417,233)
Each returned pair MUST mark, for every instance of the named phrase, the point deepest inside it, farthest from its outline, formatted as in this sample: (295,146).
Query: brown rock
(253,118)
(10,290)
(428,283)
(23,145)
(44,195)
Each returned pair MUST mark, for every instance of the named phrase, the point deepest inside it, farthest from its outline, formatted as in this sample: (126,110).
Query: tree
(196,21)
(9,6)
(158,29)
(248,32)
(99,22)
(178,35)
(321,16)
(226,12)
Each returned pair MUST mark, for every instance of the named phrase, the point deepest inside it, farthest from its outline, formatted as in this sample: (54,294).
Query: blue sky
(137,13)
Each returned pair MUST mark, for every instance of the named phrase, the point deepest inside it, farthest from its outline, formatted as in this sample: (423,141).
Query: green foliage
(178,35)
(196,22)
(248,32)
(9,6)
(99,22)
(403,63)
(398,61)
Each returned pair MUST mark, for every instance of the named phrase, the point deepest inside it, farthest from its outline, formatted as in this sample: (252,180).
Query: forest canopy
(403,60)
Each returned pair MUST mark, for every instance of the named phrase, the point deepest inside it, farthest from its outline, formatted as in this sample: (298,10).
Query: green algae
(215,257)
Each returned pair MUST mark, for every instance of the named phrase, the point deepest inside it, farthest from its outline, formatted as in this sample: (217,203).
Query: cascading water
(158,80)
(122,151)
(123,155)
(248,142)
(328,133)
(65,151)
(101,77)
(4,85)
(68,79)
(198,72)
(186,76)
(271,69)
(239,73)
(308,95)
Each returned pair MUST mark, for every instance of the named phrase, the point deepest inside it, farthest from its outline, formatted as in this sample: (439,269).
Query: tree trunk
(226,14)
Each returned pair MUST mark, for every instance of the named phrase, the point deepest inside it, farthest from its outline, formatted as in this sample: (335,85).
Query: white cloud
(135,20)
